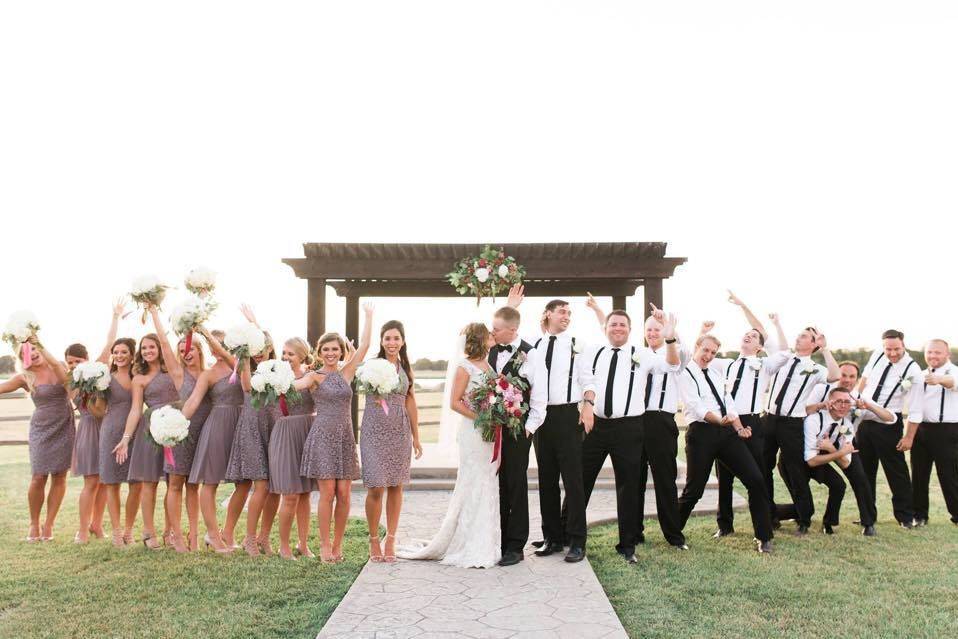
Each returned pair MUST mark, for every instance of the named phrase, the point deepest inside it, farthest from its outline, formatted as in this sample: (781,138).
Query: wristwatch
(671,340)
(589,401)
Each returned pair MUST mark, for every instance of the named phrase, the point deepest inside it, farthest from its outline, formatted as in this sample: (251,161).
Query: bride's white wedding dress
(469,536)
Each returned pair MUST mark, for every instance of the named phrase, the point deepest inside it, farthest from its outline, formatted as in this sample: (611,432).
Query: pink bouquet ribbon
(27,353)
(168,455)
(235,371)
(385,406)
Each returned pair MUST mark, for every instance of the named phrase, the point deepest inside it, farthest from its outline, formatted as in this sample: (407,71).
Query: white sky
(801,153)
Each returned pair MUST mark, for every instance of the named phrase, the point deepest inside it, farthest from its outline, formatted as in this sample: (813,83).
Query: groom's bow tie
(507,347)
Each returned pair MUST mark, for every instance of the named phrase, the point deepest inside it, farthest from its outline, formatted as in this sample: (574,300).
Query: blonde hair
(702,338)
(477,340)
(199,350)
(299,346)
(325,338)
(29,377)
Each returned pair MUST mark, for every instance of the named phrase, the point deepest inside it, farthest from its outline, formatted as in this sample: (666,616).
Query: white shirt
(933,403)
(747,380)
(565,375)
(537,384)
(820,394)
(633,365)
(805,374)
(895,384)
(698,397)
(818,426)
(661,389)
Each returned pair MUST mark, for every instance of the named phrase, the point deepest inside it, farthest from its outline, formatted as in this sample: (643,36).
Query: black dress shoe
(681,546)
(907,525)
(538,544)
(765,547)
(827,529)
(722,533)
(802,531)
(510,558)
(869,531)
(549,548)
(920,522)
(629,555)
(575,554)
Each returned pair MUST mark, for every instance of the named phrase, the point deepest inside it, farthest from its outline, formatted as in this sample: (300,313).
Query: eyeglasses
(842,401)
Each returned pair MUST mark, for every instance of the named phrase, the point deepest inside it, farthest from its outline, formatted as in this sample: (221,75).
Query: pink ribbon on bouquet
(497,448)
(189,341)
(283,406)
(168,455)
(27,353)
(235,371)
(385,406)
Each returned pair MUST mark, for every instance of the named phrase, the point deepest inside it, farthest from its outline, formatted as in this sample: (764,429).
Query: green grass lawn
(59,589)
(900,584)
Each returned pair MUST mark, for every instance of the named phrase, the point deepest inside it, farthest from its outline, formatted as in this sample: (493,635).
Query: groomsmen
(829,435)
(795,377)
(748,378)
(933,430)
(886,380)
(514,356)
(613,414)
(715,433)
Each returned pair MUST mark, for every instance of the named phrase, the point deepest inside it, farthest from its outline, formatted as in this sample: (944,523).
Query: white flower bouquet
(272,383)
(21,326)
(92,382)
(168,427)
(189,316)
(148,291)
(377,377)
(201,281)
(243,341)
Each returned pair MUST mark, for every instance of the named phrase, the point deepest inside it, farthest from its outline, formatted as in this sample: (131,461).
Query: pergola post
(315,310)
(352,333)
(618,302)
(653,294)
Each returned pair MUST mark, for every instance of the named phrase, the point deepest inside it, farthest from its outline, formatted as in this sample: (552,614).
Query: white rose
(482,274)
(103,383)
(77,374)
(503,271)
(905,384)
(258,383)
(145,283)
(636,359)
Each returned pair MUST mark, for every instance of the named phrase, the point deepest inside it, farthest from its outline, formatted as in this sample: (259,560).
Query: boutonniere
(856,413)
(520,357)
(636,359)
(755,363)
(576,348)
(905,384)
(810,369)
(844,430)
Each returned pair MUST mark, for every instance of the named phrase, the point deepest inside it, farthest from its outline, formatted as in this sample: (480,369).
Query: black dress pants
(877,444)
(935,444)
(660,447)
(514,492)
(705,443)
(558,445)
(756,446)
(622,440)
(788,435)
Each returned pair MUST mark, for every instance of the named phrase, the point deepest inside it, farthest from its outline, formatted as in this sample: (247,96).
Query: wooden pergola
(613,269)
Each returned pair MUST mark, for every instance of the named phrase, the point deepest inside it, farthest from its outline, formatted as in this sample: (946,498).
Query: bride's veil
(448,419)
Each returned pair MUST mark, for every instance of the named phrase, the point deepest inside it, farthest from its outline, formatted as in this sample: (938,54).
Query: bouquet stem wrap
(283,406)
(384,405)
(189,341)
(235,373)
(27,353)
(497,447)
(168,455)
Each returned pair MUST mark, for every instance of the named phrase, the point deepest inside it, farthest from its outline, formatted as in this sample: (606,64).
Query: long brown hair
(477,340)
(140,366)
(403,355)
(325,338)
(130,344)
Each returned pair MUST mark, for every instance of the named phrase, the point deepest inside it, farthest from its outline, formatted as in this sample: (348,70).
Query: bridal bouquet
(243,341)
(168,427)
(499,404)
(21,326)
(377,377)
(146,291)
(201,281)
(189,316)
(92,381)
(272,383)
(488,274)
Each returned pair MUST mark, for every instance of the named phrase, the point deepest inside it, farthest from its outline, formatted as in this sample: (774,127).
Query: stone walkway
(540,598)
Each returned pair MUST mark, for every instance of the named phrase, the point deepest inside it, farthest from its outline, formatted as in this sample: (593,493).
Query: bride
(469,536)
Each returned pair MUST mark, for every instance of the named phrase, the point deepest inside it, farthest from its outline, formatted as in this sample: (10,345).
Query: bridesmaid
(248,466)
(158,373)
(285,455)
(112,473)
(193,364)
(216,438)
(329,455)
(385,442)
(51,434)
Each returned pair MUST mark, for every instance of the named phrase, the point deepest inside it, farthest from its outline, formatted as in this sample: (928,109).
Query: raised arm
(358,355)
(216,347)
(172,362)
(753,321)
(779,332)
(834,373)
(594,305)
(516,294)
(59,372)
(121,450)
(247,312)
(118,308)
(14,383)
(199,392)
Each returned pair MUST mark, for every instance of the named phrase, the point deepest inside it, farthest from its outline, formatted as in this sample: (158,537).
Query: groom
(514,356)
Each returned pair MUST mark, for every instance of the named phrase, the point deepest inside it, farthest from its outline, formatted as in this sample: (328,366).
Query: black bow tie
(507,347)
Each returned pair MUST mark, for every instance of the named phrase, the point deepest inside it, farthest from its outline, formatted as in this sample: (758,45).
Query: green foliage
(464,279)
